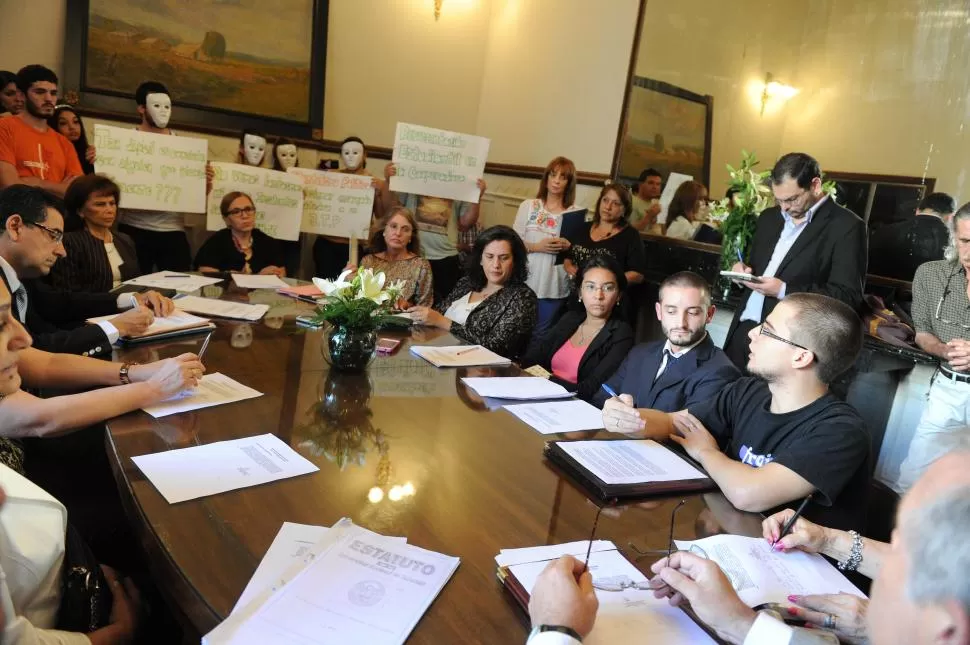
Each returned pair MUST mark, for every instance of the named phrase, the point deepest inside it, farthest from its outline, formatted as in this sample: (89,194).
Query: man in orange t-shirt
(31,152)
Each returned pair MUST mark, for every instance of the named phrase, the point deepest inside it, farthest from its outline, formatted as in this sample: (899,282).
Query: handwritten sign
(156,172)
(438,163)
(336,203)
(278,197)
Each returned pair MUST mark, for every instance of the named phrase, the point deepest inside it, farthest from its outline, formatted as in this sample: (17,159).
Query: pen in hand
(786,529)
(740,257)
(609,390)
(205,344)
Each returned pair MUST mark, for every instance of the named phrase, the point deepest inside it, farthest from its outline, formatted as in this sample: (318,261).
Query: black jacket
(600,360)
(503,322)
(86,267)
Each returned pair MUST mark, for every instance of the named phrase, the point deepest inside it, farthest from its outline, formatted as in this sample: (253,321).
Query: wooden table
(480,481)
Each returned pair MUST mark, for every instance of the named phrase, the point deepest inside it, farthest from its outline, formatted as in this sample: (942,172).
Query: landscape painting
(668,129)
(249,57)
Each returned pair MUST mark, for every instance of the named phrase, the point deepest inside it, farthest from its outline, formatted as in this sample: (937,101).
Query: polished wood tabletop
(479,479)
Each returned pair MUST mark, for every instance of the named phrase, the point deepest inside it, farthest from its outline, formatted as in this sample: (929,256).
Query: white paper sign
(673,183)
(336,203)
(278,197)
(438,163)
(156,172)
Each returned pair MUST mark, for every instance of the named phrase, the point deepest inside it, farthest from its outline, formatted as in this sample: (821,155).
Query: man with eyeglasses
(941,315)
(776,437)
(805,244)
(31,241)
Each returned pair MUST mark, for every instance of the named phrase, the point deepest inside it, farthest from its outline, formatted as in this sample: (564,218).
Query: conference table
(404,449)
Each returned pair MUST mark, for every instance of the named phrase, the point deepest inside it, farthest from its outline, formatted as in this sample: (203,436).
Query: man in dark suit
(682,370)
(31,234)
(807,243)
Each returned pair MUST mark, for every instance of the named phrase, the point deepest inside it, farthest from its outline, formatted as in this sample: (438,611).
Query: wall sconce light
(775,91)
(437,9)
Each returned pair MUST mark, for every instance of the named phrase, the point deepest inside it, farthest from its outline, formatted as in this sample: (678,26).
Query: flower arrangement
(739,220)
(362,304)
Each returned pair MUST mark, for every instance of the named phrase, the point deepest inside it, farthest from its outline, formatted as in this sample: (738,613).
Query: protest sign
(438,163)
(336,203)
(278,197)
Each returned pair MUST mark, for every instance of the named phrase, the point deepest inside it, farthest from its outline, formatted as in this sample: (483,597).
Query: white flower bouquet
(362,304)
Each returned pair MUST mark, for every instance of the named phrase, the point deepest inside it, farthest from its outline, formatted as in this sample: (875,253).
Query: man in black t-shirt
(779,436)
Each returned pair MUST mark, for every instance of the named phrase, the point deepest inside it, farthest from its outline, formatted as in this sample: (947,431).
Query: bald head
(950,472)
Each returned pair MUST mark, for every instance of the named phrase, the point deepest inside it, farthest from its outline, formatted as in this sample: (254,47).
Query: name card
(336,203)
(438,163)
(156,172)
(278,197)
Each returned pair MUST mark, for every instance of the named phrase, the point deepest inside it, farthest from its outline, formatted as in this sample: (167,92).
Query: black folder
(605,493)
(571,229)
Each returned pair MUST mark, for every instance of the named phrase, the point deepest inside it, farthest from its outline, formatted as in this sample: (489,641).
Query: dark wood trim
(76,91)
(630,74)
(929,182)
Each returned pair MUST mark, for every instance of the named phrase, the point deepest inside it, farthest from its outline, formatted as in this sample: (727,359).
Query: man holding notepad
(780,435)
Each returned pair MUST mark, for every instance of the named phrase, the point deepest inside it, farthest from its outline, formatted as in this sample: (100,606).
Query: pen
(592,534)
(740,258)
(176,276)
(465,351)
(786,529)
(205,344)
(609,390)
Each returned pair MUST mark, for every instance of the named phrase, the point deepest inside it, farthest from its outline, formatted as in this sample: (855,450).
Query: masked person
(252,148)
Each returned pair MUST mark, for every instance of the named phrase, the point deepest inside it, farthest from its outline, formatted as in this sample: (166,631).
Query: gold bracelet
(123,373)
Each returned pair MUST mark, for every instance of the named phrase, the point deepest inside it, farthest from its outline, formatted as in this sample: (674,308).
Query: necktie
(20,298)
(664,362)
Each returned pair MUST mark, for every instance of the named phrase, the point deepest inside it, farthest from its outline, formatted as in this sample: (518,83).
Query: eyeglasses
(245,210)
(790,201)
(765,332)
(939,305)
(56,236)
(609,288)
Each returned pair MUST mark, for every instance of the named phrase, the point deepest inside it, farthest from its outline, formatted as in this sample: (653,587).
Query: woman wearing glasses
(586,347)
(240,247)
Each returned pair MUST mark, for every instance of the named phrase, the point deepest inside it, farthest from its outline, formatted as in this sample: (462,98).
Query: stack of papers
(351,586)
(222,308)
(249,281)
(517,387)
(632,461)
(558,416)
(630,615)
(190,473)
(213,389)
(307,291)
(173,280)
(175,322)
(459,356)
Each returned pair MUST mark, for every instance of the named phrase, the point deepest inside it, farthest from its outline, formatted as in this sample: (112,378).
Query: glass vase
(350,350)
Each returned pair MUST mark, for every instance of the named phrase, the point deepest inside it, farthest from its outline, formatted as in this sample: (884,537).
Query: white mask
(352,153)
(286,155)
(159,108)
(254,147)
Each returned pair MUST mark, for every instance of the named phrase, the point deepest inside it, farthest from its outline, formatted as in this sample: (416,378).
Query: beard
(39,112)
(681,341)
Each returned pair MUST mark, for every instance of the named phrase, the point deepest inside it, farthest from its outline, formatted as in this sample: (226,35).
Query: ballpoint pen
(786,529)
(205,344)
(465,351)
(740,257)
(609,390)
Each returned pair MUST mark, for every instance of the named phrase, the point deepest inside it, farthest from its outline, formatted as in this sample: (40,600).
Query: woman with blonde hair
(396,251)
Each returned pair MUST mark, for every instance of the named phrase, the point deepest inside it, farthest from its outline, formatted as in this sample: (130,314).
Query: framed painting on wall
(667,128)
(228,65)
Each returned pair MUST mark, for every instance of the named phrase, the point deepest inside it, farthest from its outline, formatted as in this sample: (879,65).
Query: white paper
(222,308)
(508,557)
(559,416)
(517,387)
(459,355)
(438,163)
(630,461)
(247,281)
(336,203)
(278,197)
(628,616)
(673,183)
(213,389)
(363,589)
(173,322)
(189,473)
(760,574)
(182,282)
(156,172)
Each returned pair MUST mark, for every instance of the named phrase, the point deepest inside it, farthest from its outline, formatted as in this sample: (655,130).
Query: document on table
(213,389)
(628,616)
(248,281)
(222,308)
(630,461)
(559,416)
(189,473)
(508,557)
(760,574)
(365,588)
(173,280)
(459,355)
(517,387)
(176,321)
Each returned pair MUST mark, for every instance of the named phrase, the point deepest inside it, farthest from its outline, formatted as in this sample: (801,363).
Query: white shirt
(682,229)
(789,234)
(32,529)
(534,224)
(459,309)
(115,261)
(668,351)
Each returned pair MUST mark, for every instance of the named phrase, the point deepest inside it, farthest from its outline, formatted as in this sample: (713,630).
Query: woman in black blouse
(610,233)
(491,306)
(585,348)
(240,247)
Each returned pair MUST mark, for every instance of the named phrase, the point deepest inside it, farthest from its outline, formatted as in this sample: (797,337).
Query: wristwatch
(562,629)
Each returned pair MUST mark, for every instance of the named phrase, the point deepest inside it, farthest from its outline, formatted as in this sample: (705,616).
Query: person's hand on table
(804,535)
(271,270)
(171,375)
(691,435)
(428,317)
(564,595)
(619,415)
(155,301)
(133,322)
(685,576)
(848,612)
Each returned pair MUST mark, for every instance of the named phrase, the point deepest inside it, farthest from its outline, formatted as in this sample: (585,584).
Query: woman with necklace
(585,348)
(98,258)
(396,252)
(240,247)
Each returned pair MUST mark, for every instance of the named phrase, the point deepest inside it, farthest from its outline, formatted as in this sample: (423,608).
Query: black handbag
(86,598)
